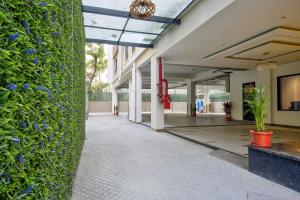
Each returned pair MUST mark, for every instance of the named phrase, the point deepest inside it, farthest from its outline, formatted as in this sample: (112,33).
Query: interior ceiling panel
(267,51)
(266,47)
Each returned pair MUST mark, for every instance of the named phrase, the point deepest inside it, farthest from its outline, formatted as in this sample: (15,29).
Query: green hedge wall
(41,97)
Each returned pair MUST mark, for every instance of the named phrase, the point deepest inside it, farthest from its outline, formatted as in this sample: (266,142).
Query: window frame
(279,93)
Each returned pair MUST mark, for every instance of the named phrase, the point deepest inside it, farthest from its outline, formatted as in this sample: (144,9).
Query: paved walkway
(127,161)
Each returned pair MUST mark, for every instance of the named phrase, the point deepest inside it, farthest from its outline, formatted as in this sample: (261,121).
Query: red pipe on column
(163,98)
(160,84)
(167,86)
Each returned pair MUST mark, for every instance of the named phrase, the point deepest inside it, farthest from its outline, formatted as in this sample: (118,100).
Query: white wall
(236,86)
(268,80)
(291,118)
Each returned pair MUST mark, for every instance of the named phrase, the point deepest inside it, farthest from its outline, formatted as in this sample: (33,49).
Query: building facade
(235,43)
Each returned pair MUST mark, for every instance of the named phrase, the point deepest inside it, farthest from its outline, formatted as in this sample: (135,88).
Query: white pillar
(131,104)
(191,97)
(114,99)
(265,72)
(138,95)
(157,109)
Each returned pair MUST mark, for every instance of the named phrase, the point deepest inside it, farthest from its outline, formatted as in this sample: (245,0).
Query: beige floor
(233,138)
(214,130)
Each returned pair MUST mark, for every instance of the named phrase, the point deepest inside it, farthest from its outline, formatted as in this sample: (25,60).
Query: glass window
(289,92)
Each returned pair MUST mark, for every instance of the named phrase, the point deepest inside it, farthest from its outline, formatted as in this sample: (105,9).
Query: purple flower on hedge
(23,125)
(30,51)
(52,75)
(46,15)
(13,37)
(54,19)
(42,145)
(27,190)
(49,93)
(26,86)
(56,34)
(55,84)
(16,140)
(43,4)
(42,88)
(12,87)
(36,127)
(32,149)
(36,60)
(38,40)
(26,26)
(50,138)
(21,159)
(45,125)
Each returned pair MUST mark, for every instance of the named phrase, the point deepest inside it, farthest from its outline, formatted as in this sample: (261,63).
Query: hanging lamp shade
(142,9)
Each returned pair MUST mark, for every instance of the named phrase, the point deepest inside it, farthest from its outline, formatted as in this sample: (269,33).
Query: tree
(96,64)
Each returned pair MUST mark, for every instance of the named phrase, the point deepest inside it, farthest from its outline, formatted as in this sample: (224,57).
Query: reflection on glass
(102,34)
(289,92)
(145,26)
(103,21)
(137,38)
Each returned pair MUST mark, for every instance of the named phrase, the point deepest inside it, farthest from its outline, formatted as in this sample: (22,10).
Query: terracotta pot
(261,139)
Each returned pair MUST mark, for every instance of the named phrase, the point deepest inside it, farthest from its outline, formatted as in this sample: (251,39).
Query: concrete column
(114,99)
(157,109)
(191,96)
(138,95)
(264,78)
(131,103)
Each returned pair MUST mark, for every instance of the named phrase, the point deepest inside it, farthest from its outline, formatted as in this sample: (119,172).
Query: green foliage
(42,85)
(258,103)
(96,65)
(99,86)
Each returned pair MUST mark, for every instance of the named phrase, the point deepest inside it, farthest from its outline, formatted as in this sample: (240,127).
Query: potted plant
(227,109)
(257,103)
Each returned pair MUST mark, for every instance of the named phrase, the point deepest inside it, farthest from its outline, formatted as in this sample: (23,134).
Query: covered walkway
(124,160)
